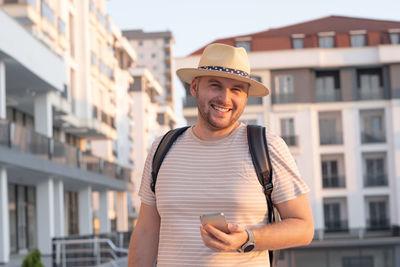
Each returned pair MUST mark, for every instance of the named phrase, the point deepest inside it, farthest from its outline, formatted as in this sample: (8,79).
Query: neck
(206,133)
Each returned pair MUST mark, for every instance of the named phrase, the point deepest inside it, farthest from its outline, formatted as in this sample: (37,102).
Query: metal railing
(282,98)
(333,96)
(367,138)
(93,251)
(376,180)
(370,94)
(331,139)
(378,224)
(26,140)
(336,226)
(291,140)
(333,182)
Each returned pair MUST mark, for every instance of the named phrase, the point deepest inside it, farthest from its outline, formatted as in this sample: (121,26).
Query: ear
(194,86)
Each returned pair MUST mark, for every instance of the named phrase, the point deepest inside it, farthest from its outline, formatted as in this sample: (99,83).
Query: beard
(213,123)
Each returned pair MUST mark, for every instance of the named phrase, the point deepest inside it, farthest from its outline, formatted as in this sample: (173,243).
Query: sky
(197,23)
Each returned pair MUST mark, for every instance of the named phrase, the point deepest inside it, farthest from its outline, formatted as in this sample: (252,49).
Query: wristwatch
(249,244)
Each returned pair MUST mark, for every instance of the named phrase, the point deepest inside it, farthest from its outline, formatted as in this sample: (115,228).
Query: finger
(221,236)
(212,243)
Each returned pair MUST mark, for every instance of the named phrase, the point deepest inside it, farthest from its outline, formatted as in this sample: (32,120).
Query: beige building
(335,100)
(63,71)
(155,52)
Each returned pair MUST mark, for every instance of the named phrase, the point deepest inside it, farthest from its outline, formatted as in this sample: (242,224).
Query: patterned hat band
(229,70)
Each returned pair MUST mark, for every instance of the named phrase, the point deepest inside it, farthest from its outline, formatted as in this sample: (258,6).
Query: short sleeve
(286,179)
(147,196)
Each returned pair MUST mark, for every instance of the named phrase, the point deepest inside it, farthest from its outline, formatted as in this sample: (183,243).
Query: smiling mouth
(220,109)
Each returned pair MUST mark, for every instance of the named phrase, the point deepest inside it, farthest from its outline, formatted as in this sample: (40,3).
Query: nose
(225,95)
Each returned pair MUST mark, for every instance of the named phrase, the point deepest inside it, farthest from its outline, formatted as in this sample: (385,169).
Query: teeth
(221,109)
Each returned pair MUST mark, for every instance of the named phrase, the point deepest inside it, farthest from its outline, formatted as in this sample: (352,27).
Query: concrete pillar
(85,211)
(43,115)
(122,212)
(45,215)
(353,168)
(59,230)
(2,90)
(105,225)
(4,217)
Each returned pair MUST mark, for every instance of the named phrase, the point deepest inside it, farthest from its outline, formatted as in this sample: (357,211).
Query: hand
(219,241)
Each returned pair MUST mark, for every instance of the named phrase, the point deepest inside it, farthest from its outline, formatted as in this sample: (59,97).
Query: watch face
(248,248)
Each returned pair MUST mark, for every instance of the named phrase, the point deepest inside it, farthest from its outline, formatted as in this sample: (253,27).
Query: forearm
(143,249)
(290,232)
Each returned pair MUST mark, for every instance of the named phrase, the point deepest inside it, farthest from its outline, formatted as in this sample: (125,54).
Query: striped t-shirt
(198,177)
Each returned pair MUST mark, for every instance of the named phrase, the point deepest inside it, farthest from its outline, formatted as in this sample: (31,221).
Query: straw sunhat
(224,61)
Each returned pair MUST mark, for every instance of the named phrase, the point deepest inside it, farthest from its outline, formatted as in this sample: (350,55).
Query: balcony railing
(367,138)
(336,226)
(369,94)
(334,182)
(376,180)
(334,96)
(18,137)
(291,140)
(378,224)
(331,139)
(282,98)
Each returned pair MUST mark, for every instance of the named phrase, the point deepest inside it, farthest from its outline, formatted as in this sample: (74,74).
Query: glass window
(12,208)
(395,38)
(297,43)
(372,126)
(140,43)
(374,169)
(47,12)
(357,40)
(287,131)
(153,55)
(245,44)
(370,84)
(61,27)
(326,42)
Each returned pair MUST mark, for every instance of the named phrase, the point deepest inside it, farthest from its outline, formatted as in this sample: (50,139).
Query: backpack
(259,154)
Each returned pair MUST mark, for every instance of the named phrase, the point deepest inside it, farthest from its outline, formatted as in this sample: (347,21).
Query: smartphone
(215,219)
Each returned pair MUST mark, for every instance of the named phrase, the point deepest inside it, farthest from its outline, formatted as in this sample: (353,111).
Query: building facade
(335,100)
(62,131)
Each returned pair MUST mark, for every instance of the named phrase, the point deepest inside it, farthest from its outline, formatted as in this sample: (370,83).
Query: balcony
(282,98)
(47,12)
(381,224)
(26,140)
(374,94)
(334,182)
(333,96)
(332,139)
(368,138)
(335,226)
(375,180)
(291,140)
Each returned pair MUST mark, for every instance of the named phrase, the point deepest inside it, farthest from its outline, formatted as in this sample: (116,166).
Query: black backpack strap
(163,147)
(258,147)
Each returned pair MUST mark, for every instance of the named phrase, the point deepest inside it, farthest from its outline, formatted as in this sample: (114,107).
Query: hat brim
(256,89)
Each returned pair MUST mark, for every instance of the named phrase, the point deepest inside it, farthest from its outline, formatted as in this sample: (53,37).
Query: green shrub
(33,259)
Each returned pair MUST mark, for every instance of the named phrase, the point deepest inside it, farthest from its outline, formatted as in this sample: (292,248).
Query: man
(209,169)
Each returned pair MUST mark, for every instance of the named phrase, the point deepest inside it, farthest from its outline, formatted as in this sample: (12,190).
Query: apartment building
(335,100)
(155,52)
(63,66)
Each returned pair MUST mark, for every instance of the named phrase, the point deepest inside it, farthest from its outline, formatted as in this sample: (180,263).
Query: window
(370,84)
(327,86)
(330,173)
(372,126)
(335,214)
(93,59)
(326,42)
(377,213)
(245,44)
(395,38)
(357,40)
(287,131)
(297,43)
(141,56)
(92,7)
(71,213)
(330,128)
(47,12)
(374,169)
(284,92)
(140,43)
(61,27)
(153,55)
